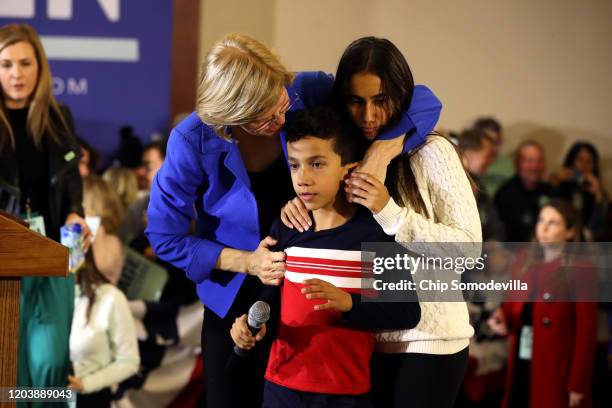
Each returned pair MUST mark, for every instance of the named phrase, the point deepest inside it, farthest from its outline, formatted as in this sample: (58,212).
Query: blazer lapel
(213,143)
(233,161)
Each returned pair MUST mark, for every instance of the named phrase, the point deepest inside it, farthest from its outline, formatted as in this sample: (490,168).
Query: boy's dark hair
(327,124)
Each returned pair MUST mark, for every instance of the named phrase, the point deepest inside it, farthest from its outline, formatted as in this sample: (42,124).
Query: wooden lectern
(23,252)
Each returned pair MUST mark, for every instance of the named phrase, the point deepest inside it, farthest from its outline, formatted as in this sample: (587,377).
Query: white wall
(542,67)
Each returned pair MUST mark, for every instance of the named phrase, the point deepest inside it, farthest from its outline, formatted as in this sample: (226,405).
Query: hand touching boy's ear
(368,191)
(379,155)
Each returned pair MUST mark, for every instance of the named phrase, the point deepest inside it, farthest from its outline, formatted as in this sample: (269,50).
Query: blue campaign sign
(110,61)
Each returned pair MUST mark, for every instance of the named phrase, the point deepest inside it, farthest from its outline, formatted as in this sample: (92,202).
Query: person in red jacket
(552,339)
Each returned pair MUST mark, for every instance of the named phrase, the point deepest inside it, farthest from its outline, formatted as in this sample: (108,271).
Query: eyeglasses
(267,124)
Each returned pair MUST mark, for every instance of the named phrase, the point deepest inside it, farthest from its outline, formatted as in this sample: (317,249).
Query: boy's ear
(351,166)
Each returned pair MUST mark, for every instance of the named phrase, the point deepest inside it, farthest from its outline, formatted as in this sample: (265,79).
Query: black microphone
(259,313)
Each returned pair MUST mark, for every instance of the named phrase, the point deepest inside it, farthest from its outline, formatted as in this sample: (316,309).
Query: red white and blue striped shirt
(326,351)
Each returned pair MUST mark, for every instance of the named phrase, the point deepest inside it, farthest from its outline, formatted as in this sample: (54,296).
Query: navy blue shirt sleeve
(372,315)
(383,315)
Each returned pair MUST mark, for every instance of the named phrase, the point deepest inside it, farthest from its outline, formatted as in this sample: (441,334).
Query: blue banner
(110,61)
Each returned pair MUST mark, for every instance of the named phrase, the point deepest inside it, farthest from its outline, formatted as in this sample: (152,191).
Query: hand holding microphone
(247,330)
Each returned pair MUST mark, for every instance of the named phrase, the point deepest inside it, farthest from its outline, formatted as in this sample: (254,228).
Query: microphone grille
(259,313)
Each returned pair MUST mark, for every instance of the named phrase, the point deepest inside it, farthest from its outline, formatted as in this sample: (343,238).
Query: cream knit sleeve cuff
(390,218)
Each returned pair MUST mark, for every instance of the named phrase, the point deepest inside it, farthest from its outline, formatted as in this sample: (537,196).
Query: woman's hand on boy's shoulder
(337,299)
(295,215)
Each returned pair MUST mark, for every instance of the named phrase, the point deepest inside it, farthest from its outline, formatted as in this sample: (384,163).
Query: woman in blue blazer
(226,170)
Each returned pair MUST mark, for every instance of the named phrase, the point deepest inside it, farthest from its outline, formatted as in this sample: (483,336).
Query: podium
(23,252)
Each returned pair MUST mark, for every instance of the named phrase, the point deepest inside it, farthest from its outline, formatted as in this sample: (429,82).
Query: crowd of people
(183,235)
(525,203)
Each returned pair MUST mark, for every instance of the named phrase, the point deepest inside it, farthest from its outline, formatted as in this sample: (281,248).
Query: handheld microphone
(259,314)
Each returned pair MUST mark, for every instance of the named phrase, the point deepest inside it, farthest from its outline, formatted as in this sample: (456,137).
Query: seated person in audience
(580,184)
(553,326)
(477,155)
(169,329)
(483,382)
(501,170)
(133,226)
(519,200)
(124,182)
(325,339)
(171,369)
(89,162)
(103,346)
(100,200)
(130,149)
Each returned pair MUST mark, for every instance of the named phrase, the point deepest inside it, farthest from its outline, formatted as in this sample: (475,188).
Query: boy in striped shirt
(322,351)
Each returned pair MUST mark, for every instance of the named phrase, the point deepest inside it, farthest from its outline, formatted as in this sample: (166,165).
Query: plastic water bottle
(71,237)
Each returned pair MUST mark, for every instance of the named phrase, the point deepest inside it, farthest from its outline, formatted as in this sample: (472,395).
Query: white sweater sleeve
(124,348)
(439,175)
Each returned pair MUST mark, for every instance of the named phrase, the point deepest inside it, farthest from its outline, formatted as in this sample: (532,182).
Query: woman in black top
(38,178)
(580,184)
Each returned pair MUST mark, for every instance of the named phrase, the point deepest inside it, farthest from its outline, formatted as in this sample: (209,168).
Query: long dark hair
(89,278)
(381,57)
(571,155)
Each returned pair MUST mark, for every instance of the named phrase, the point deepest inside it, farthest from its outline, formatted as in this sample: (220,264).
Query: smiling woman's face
(367,104)
(18,74)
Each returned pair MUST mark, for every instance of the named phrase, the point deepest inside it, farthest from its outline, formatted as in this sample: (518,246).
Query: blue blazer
(204,177)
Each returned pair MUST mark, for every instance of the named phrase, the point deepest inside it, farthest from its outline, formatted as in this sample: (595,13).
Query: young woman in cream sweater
(425,196)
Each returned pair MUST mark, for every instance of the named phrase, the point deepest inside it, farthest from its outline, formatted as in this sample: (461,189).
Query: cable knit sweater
(444,327)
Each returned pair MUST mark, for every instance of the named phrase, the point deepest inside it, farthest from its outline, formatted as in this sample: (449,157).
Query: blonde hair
(241,79)
(124,182)
(44,112)
(99,199)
